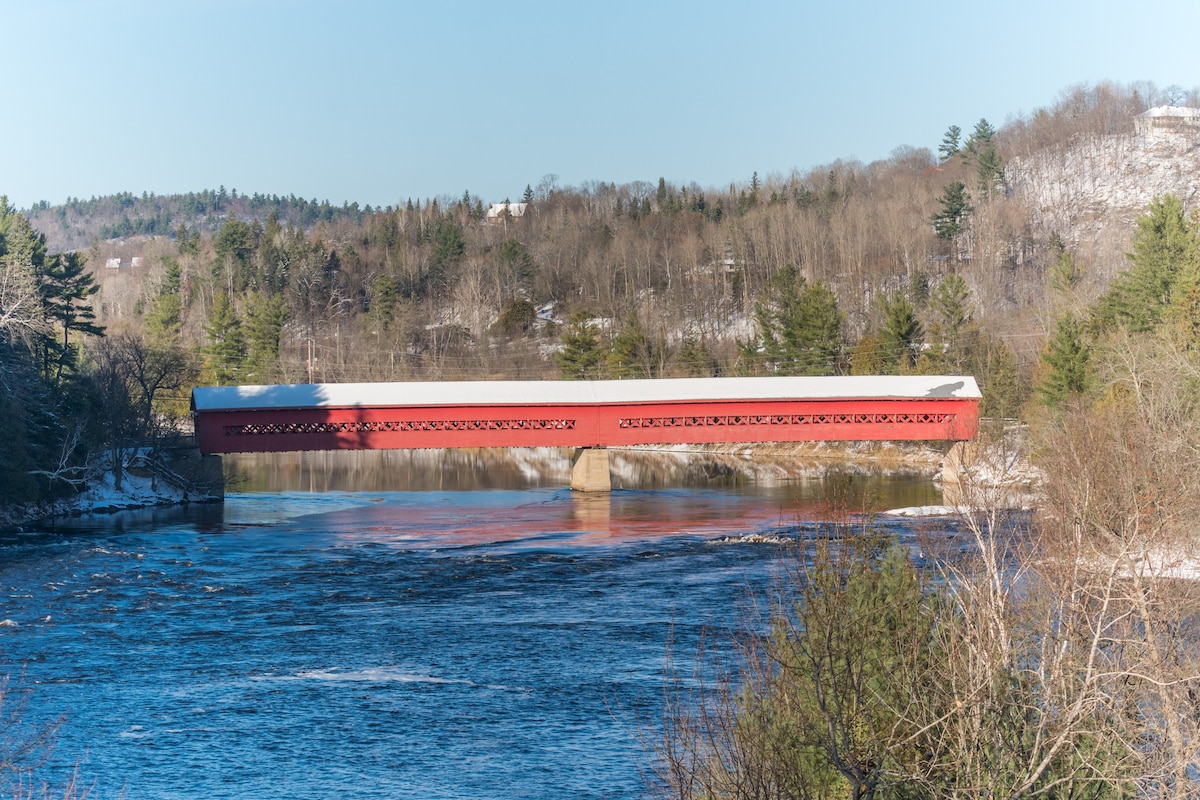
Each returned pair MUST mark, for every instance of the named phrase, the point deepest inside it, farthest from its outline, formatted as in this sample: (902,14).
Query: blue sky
(376,102)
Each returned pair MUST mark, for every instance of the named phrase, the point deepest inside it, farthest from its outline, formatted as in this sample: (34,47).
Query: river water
(454,642)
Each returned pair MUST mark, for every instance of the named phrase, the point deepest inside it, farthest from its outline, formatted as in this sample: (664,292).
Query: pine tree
(954,208)
(226,349)
(695,359)
(582,357)
(515,265)
(948,149)
(1165,246)
(1000,383)
(800,326)
(866,357)
(632,354)
(1064,274)
(980,150)
(164,312)
(981,138)
(382,298)
(952,304)
(65,290)
(265,318)
(1183,315)
(449,246)
(233,246)
(1066,363)
(989,169)
(902,334)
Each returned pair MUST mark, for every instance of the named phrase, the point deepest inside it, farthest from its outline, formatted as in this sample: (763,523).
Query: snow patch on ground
(924,511)
(136,491)
(102,496)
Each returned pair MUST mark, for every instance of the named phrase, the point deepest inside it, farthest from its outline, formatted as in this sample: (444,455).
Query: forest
(924,262)
(1051,655)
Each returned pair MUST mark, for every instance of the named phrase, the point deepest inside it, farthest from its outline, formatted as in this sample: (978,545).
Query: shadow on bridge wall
(486,469)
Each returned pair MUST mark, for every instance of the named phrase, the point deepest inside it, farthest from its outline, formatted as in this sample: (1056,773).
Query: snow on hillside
(1092,192)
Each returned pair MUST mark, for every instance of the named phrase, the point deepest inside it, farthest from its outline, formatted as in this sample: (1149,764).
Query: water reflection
(447,498)
(525,468)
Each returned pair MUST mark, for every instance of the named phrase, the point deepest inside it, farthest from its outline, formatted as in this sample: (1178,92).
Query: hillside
(77,224)
(1092,189)
(961,263)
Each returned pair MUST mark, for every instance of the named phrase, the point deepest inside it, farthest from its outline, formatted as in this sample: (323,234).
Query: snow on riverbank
(137,491)
(924,511)
(102,497)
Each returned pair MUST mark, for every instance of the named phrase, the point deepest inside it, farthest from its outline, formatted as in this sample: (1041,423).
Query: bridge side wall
(598,425)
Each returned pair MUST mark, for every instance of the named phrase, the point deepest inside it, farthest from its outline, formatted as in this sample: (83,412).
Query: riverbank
(641,467)
(177,476)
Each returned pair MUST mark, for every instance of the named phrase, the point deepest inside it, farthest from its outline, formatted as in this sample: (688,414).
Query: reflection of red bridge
(583,414)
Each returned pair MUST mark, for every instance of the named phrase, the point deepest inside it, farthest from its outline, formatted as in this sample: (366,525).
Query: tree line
(1053,655)
(912,264)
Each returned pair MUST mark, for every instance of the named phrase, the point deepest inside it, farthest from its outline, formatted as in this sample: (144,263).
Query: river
(440,639)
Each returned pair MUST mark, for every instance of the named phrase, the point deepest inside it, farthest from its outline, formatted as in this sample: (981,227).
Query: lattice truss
(703,421)
(801,420)
(399,426)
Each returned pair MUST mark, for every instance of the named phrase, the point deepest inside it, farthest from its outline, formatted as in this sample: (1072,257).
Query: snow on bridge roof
(506,393)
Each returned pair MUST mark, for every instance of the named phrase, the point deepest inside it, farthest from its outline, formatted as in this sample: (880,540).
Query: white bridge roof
(504,393)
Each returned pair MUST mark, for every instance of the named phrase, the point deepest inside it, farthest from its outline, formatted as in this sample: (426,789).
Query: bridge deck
(582,413)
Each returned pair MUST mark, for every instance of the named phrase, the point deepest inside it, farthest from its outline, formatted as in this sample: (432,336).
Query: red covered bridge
(582,414)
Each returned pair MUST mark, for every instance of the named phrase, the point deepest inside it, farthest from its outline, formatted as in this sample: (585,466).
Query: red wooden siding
(585,425)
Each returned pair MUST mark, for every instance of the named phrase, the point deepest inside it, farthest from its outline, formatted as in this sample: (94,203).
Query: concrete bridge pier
(589,470)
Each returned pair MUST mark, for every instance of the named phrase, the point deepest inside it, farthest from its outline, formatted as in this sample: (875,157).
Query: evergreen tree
(164,313)
(1065,363)
(980,150)
(632,355)
(981,138)
(954,208)
(800,326)
(696,360)
(449,246)
(989,169)
(952,305)
(527,197)
(66,289)
(901,336)
(271,263)
(515,265)
(234,246)
(1064,274)
(381,302)
(948,149)
(265,318)
(1164,247)
(516,318)
(867,357)
(1183,315)
(582,357)
(1000,383)
(226,349)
